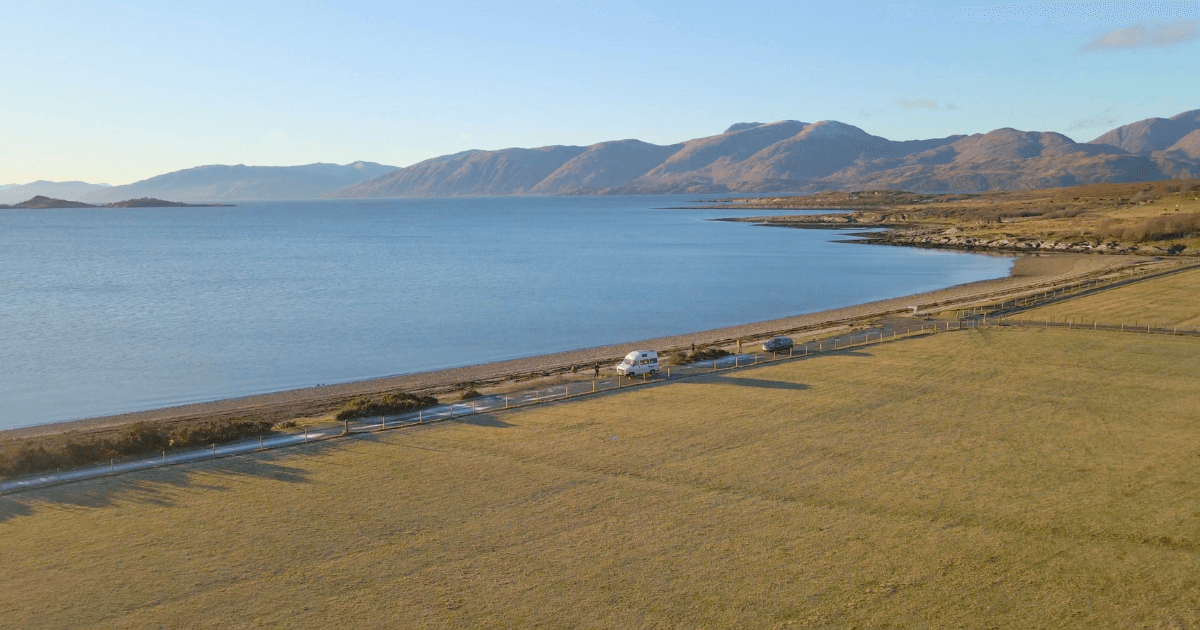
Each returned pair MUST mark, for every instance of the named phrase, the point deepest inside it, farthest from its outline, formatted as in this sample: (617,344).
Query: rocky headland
(1158,219)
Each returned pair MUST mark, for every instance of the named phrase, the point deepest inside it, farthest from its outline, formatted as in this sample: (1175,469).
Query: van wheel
(653,372)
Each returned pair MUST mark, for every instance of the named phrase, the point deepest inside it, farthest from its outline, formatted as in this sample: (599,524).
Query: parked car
(778,344)
(639,362)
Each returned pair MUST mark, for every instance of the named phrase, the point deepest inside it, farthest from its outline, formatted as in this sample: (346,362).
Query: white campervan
(639,362)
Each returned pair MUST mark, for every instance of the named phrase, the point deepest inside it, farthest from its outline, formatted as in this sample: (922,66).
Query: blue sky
(116,91)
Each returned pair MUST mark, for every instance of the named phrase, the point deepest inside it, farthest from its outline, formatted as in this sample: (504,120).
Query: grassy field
(1166,302)
(995,478)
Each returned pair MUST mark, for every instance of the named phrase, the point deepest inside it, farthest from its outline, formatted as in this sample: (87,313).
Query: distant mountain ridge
(794,156)
(748,157)
(1146,137)
(12,193)
(239,182)
(217,182)
(1172,143)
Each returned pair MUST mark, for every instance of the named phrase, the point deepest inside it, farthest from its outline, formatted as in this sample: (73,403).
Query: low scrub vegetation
(386,404)
(703,354)
(1160,228)
(67,450)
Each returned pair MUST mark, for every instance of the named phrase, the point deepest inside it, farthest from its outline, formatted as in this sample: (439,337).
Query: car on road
(639,362)
(778,344)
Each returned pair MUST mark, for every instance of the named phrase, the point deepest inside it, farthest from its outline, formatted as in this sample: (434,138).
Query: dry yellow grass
(1170,301)
(996,478)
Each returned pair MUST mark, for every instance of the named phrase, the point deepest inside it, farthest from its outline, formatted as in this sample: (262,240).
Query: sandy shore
(1028,273)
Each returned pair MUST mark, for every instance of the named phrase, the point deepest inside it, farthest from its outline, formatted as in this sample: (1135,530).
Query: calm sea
(107,311)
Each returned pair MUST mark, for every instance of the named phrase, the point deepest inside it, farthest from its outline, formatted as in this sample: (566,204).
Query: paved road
(485,404)
(1035,273)
(885,331)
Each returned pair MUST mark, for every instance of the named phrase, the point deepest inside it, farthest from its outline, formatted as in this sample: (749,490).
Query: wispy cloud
(1103,119)
(1145,36)
(924,103)
(1076,15)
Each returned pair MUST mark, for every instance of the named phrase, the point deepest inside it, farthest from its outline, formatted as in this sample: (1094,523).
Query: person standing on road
(597,370)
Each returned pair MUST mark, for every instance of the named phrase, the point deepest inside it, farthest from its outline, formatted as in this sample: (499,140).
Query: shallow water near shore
(116,310)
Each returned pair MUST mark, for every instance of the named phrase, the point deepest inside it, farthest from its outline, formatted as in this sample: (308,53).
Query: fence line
(1074,289)
(978,317)
(452,411)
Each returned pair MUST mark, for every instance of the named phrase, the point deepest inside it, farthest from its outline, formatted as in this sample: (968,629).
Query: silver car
(777,344)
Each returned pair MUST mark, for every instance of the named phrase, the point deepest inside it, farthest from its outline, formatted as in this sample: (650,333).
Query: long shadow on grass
(157,486)
(759,382)
(482,420)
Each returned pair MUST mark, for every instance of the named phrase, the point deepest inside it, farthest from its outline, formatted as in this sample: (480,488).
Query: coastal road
(609,382)
(884,330)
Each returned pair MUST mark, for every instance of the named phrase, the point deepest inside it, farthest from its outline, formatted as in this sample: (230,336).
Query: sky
(114,91)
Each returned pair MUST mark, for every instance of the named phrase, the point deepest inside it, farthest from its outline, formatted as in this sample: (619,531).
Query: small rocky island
(45,203)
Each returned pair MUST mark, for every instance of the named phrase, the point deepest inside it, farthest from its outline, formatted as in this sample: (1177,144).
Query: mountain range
(13,193)
(216,182)
(783,156)
(793,156)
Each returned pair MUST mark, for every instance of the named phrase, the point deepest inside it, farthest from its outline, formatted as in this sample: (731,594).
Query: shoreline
(946,238)
(1029,272)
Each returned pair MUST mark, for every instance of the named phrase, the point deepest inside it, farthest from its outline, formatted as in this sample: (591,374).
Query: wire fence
(977,317)
(463,409)
(1072,290)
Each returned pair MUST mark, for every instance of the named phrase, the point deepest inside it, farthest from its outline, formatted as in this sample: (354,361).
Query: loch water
(112,310)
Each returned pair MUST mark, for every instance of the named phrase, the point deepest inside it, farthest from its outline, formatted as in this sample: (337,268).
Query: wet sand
(1028,273)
